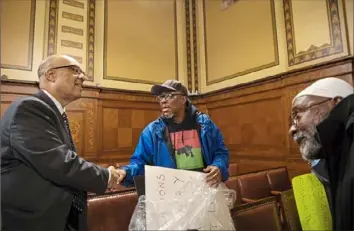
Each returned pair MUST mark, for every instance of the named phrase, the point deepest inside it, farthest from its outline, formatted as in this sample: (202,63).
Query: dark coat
(38,169)
(321,171)
(335,134)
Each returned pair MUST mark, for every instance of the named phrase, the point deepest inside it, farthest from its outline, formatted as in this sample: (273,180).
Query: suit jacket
(39,172)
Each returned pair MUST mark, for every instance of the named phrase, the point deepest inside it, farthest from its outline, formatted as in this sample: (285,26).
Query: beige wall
(142,42)
(133,44)
(120,44)
(236,46)
(22,38)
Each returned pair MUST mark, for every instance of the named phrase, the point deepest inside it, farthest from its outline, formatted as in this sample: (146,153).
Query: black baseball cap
(169,86)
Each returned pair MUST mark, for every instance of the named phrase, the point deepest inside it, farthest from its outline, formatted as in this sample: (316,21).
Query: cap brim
(159,89)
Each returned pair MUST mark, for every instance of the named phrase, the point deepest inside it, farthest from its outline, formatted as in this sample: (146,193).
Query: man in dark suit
(43,181)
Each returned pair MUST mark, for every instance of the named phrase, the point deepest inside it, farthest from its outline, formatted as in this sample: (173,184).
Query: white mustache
(299,136)
(309,147)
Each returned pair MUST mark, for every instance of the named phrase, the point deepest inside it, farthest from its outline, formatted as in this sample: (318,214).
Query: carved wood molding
(195,46)
(52,30)
(90,37)
(188,45)
(313,52)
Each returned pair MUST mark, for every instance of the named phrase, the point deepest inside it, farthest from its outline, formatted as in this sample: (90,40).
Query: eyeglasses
(295,118)
(167,96)
(75,69)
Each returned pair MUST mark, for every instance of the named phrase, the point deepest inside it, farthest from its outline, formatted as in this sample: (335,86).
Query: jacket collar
(44,97)
(331,130)
(56,102)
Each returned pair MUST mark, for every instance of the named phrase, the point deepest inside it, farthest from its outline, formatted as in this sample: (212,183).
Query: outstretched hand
(213,177)
(117,176)
(121,172)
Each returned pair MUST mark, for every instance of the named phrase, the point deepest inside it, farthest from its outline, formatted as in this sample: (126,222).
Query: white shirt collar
(56,102)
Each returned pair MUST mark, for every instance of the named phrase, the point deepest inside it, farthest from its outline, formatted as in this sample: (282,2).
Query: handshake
(117,176)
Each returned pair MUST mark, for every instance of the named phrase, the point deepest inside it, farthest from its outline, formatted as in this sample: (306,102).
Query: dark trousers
(77,221)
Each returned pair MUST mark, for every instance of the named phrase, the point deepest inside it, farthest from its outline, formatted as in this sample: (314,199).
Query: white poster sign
(181,200)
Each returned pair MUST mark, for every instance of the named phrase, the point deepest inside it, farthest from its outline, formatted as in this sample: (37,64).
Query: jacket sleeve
(37,142)
(141,156)
(220,152)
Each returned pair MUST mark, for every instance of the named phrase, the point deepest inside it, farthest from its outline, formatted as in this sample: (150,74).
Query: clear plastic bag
(195,206)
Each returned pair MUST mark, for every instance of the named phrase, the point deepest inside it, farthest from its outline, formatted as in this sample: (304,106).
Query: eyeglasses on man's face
(167,96)
(295,115)
(75,69)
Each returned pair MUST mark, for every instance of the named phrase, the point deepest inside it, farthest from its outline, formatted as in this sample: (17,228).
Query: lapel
(43,96)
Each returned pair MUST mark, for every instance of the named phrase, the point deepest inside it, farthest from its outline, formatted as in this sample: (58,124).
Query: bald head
(62,77)
(55,61)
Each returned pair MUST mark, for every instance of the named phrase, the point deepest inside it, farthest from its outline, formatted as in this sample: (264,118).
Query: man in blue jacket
(182,138)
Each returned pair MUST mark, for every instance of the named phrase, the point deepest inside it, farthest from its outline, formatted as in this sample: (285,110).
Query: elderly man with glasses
(181,138)
(43,180)
(322,124)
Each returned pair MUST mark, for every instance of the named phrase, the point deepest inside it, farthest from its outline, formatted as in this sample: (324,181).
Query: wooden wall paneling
(253,127)
(83,124)
(254,117)
(123,119)
(255,165)
(202,108)
(10,91)
(297,166)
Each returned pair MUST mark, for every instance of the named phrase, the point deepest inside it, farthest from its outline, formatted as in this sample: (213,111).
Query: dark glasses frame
(294,119)
(168,96)
(72,67)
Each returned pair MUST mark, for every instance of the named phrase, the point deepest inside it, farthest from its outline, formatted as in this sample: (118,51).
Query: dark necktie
(79,198)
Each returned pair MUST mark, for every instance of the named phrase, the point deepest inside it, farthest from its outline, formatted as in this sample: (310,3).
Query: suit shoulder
(33,101)
(28,103)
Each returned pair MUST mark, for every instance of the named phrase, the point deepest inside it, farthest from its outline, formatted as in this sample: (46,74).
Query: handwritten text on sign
(180,200)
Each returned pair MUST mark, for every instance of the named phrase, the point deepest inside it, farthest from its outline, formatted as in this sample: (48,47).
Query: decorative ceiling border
(28,67)
(90,38)
(195,46)
(53,27)
(314,52)
(188,45)
(127,79)
(251,70)
(90,63)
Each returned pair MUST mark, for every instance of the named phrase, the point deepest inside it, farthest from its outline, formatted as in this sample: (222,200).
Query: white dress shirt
(56,102)
(62,110)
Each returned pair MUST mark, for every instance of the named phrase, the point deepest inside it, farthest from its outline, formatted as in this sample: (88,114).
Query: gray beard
(309,147)
(168,116)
